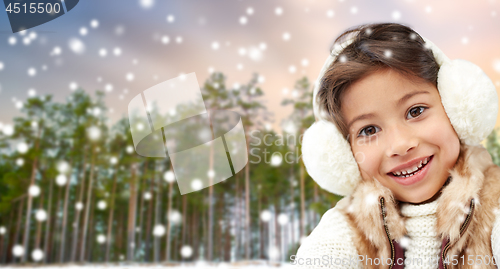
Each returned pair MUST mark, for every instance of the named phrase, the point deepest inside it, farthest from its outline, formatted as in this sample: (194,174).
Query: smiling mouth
(411,172)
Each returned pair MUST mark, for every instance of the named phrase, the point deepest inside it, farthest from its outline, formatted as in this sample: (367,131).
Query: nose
(401,141)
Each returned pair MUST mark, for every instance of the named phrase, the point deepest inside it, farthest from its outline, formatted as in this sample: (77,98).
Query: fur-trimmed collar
(467,176)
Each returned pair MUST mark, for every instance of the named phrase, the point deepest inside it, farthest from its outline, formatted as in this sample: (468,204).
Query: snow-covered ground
(197,265)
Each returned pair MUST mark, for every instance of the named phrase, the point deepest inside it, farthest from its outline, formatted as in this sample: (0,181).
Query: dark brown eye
(368,131)
(415,112)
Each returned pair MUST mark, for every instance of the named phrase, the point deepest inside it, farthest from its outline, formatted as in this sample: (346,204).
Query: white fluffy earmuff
(468,96)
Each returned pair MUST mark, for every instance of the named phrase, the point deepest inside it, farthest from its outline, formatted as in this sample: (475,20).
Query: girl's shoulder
(330,244)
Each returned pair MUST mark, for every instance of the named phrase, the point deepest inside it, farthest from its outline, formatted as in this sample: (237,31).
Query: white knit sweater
(330,244)
(422,244)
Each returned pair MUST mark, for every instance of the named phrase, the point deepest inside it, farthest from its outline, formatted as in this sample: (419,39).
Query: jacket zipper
(382,208)
(462,231)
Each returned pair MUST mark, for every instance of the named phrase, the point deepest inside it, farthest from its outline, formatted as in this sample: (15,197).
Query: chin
(417,198)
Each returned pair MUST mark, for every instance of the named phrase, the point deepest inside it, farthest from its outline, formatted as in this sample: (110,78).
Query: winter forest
(74,190)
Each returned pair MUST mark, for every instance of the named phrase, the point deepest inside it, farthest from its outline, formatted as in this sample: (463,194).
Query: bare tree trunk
(184,213)
(147,252)
(302,202)
(64,224)
(88,205)
(141,208)
(238,218)
(58,224)
(30,199)
(48,224)
(247,212)
(7,238)
(157,211)
(169,225)
(292,206)
(277,230)
(261,232)
(210,206)
(19,220)
(194,238)
(227,242)
(76,223)
(110,218)
(38,237)
(131,214)
(90,238)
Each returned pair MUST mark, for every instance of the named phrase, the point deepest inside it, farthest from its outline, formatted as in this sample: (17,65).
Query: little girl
(397,132)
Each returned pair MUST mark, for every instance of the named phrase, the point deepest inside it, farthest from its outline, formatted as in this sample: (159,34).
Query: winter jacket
(370,221)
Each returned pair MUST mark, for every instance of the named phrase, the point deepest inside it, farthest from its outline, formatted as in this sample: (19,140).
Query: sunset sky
(127,46)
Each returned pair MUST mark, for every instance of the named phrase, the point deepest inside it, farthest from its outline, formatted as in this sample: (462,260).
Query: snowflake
(170,18)
(117,51)
(265,215)
(103,52)
(276,159)
(286,36)
(196,184)
(130,77)
(186,251)
(305,62)
(12,40)
(56,51)
(108,87)
(119,30)
(396,15)
(165,39)
(76,45)
(330,13)
(31,71)
(278,11)
(73,86)
(159,230)
(94,23)
(243,20)
(215,45)
(83,31)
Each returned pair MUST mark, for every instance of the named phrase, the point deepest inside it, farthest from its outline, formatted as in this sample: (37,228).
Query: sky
(124,47)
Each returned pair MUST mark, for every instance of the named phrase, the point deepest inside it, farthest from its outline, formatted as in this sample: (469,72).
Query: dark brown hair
(374,47)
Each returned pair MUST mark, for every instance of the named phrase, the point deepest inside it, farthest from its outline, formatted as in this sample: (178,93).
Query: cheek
(440,131)
(367,158)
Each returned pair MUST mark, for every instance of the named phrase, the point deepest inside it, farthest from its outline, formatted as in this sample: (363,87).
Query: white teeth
(405,173)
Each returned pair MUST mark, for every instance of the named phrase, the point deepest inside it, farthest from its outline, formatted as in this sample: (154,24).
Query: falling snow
(278,11)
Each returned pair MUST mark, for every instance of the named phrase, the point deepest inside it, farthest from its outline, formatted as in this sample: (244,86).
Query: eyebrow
(400,102)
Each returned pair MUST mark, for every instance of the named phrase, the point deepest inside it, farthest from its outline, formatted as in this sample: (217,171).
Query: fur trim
(473,176)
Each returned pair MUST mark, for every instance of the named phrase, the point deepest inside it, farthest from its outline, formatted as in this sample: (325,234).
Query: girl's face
(400,134)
